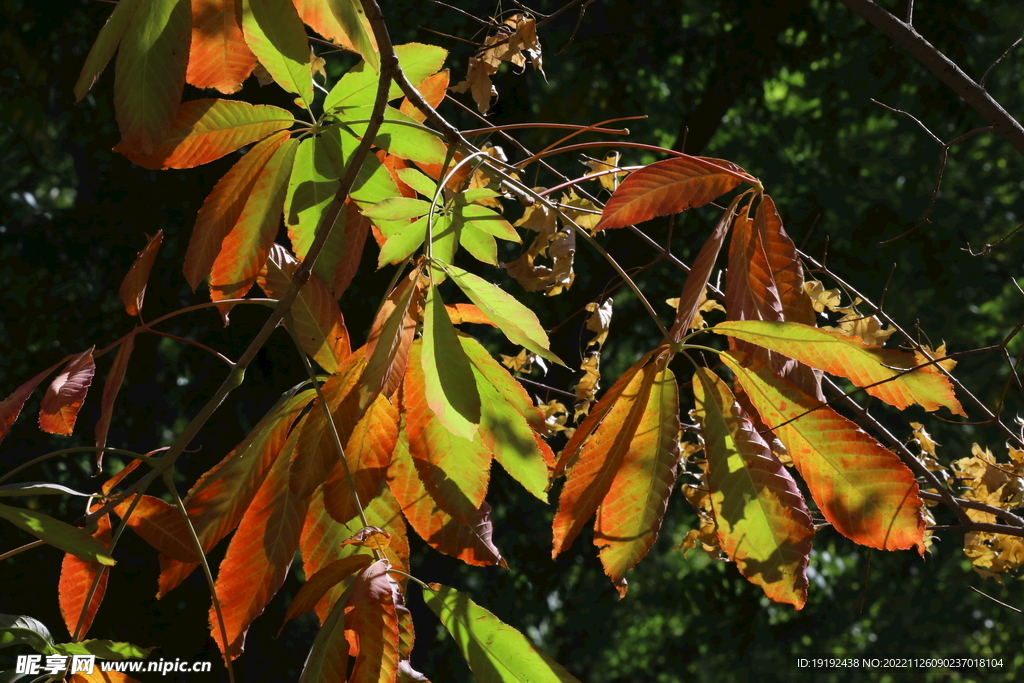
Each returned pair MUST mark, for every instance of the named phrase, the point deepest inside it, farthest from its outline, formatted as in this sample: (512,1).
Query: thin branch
(464,13)
(196,344)
(1011,519)
(944,69)
(998,602)
(21,549)
(1003,56)
(989,247)
(546,387)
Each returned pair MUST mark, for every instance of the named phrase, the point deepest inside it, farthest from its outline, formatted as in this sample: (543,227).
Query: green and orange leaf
(762,521)
(891,372)
(864,490)
(449,388)
(218,57)
(318,584)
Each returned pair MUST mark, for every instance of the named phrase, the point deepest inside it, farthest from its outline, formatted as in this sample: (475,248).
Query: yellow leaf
(599,321)
(948,364)
(822,298)
(586,388)
(610,181)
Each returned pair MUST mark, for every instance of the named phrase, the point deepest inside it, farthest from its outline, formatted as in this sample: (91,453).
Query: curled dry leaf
(822,298)
(518,35)
(610,181)
(586,388)
(598,322)
(370,537)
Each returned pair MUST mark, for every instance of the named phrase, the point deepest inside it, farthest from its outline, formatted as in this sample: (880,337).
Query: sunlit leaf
(275,34)
(450,389)
(371,626)
(105,45)
(322,581)
(133,287)
(218,57)
(161,525)
(762,521)
(76,580)
(328,657)
(495,652)
(65,395)
(11,406)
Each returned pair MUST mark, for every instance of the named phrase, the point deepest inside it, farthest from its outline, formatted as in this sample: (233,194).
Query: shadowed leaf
(63,399)
(133,288)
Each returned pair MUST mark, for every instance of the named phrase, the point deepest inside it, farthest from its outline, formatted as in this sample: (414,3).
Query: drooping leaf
(469,542)
(38,488)
(495,652)
(22,630)
(373,182)
(353,21)
(221,496)
(667,187)
(223,208)
(207,129)
(454,470)
(111,387)
(630,515)
(78,542)
(11,406)
(864,490)
(322,538)
(275,34)
(260,553)
(356,228)
(327,661)
(311,190)
(322,581)
(368,453)
(150,72)
(106,44)
(161,525)
(518,322)
(371,626)
(590,475)
(849,357)
(762,520)
(219,57)
(133,287)
(387,349)
(508,419)
(697,281)
(245,247)
(319,325)
(449,388)
(63,399)
(76,579)
(319,16)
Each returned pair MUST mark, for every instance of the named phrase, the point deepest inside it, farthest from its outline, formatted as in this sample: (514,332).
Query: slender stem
(473,132)
(78,449)
(21,549)
(196,344)
(410,576)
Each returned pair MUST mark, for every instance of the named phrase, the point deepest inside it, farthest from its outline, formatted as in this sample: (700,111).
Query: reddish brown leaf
(223,207)
(133,288)
(260,553)
(368,454)
(111,387)
(317,452)
(467,313)
(207,129)
(65,395)
(433,89)
(697,281)
(371,626)
(219,57)
(590,476)
(387,349)
(317,585)
(245,248)
(221,496)
(667,187)
(160,524)
(454,470)
(864,490)
(357,227)
(76,579)
(630,515)
(322,536)
(470,543)
(11,406)
(319,325)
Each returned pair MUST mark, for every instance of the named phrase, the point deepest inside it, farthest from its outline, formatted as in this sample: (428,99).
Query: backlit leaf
(327,661)
(850,357)
(433,90)
(762,521)
(350,15)
(223,208)
(218,57)
(133,287)
(387,348)
(161,525)
(495,652)
(450,390)
(319,326)
(518,322)
(63,399)
(864,490)
(667,187)
(150,71)
(275,34)
(400,135)
(245,248)
(76,579)
(590,475)
(630,515)
(106,44)
(11,406)
(371,626)
(207,129)
(358,87)
(469,542)
(100,676)
(454,470)
(322,581)
(319,16)
(78,542)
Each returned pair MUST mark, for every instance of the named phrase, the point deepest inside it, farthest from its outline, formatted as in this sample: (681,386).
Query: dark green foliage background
(783,88)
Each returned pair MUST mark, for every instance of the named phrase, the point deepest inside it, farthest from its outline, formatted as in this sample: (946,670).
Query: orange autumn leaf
(65,395)
(218,57)
(133,288)
(371,626)
(76,579)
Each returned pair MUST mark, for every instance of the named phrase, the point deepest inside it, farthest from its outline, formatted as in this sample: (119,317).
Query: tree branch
(939,64)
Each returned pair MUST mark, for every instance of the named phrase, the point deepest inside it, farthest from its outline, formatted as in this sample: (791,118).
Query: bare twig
(1003,56)
(998,602)
(989,247)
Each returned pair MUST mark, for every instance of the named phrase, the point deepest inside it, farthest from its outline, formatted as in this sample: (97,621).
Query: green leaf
(105,46)
(418,181)
(25,631)
(373,182)
(328,658)
(78,542)
(402,243)
(399,134)
(311,188)
(358,87)
(495,652)
(484,219)
(450,386)
(478,243)
(275,34)
(349,14)
(398,208)
(517,321)
(104,649)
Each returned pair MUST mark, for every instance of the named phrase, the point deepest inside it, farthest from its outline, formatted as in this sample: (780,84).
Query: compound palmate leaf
(495,652)
(848,356)
(762,521)
(864,490)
